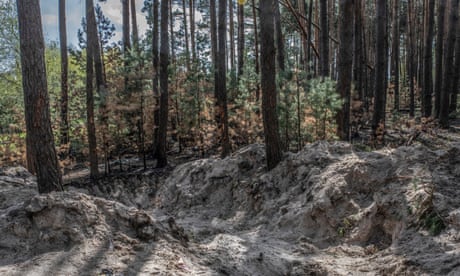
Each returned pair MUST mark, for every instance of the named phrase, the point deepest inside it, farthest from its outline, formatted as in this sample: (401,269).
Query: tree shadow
(380,185)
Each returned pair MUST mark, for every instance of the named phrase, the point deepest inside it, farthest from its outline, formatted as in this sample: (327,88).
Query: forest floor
(331,209)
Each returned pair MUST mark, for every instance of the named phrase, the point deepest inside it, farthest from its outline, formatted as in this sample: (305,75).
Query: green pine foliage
(324,102)
(306,107)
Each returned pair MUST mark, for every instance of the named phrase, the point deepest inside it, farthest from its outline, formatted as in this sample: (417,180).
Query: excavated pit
(326,210)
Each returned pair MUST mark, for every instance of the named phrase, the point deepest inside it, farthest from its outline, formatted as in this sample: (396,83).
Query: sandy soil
(327,210)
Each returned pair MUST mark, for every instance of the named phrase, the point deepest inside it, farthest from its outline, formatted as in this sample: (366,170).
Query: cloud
(50,19)
(112,9)
(75,10)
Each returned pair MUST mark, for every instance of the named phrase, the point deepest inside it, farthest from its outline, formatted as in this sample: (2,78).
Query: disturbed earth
(329,209)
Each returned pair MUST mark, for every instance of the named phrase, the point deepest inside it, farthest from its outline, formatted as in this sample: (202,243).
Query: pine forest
(222,137)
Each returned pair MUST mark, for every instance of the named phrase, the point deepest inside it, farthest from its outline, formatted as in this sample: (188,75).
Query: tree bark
(411,48)
(64,75)
(187,47)
(126,39)
(221,84)
(164,97)
(332,31)
(94,42)
(359,62)
(268,81)
(139,113)
(231,24)
(241,38)
(309,64)
(155,79)
(449,74)
(256,46)
(90,54)
(324,39)
(213,27)
(428,60)
(395,53)
(454,95)
(317,60)
(135,36)
(39,140)
(378,119)
(281,70)
(345,67)
(171,32)
(419,34)
(191,4)
(303,24)
(125,18)
(279,39)
(439,56)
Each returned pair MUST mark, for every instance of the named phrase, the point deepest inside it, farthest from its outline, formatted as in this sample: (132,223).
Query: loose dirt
(329,209)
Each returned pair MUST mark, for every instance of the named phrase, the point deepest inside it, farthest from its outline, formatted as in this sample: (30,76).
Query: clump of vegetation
(432,222)
(427,217)
(324,102)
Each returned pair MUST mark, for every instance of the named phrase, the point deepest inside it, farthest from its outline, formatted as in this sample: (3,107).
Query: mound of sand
(325,198)
(326,210)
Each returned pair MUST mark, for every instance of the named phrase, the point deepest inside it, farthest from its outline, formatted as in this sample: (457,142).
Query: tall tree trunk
(332,31)
(90,54)
(316,63)
(324,39)
(231,24)
(454,95)
(256,47)
(94,43)
(299,105)
(411,49)
(155,79)
(279,39)
(303,24)
(420,35)
(395,53)
(419,31)
(64,73)
(176,120)
(100,34)
(359,63)
(164,62)
(139,113)
(221,99)
(367,91)
(187,47)
(345,66)
(126,40)
(268,81)
(449,74)
(191,7)
(439,56)
(213,26)
(125,19)
(135,37)
(378,119)
(41,153)
(309,63)
(428,60)
(241,41)
(281,69)
(358,50)
(171,31)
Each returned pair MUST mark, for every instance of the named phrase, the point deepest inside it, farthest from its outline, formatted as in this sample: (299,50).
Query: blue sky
(74,11)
